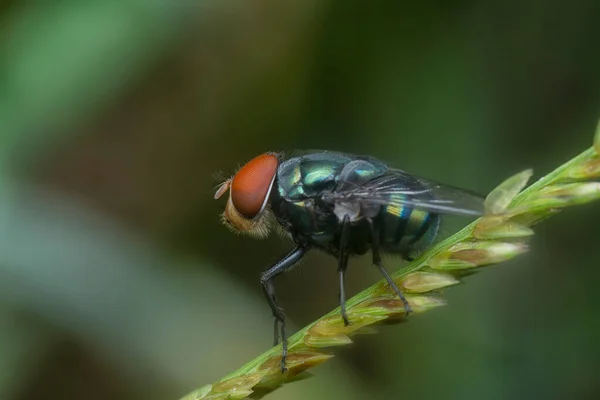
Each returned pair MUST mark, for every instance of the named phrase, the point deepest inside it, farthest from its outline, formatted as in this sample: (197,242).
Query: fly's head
(247,210)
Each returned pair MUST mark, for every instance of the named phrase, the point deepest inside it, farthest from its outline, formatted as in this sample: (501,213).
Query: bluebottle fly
(343,205)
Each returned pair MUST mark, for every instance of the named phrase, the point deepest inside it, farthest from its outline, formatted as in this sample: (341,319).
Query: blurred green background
(117,280)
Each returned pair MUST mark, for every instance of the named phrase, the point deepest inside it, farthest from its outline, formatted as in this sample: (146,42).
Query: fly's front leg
(269,291)
(266,280)
(342,264)
(379,264)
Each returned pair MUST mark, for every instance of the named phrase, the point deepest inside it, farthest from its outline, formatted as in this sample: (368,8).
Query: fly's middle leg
(342,264)
(375,248)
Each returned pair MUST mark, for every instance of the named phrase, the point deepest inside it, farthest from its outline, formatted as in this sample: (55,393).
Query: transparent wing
(410,190)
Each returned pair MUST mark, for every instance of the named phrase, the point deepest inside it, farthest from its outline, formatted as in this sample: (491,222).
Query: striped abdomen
(404,229)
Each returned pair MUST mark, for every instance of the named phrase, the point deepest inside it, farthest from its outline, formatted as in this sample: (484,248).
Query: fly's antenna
(222,188)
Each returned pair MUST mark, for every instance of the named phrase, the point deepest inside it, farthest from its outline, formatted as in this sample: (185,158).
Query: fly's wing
(406,189)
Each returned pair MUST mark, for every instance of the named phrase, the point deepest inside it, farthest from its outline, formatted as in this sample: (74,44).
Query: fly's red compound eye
(251,185)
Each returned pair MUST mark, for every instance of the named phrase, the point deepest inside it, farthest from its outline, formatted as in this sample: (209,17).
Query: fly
(341,204)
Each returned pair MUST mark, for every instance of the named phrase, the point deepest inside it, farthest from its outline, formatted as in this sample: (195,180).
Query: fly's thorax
(313,178)
(309,175)
(298,186)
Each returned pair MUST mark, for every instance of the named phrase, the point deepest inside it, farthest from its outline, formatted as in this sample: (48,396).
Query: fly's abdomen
(406,230)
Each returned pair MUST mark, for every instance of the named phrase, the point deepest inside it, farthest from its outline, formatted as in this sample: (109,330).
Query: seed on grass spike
(587,170)
(486,253)
(298,361)
(476,254)
(443,262)
(570,194)
(496,227)
(500,198)
(423,282)
(236,388)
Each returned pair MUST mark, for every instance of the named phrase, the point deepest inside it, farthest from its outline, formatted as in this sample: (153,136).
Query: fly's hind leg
(375,248)
(342,264)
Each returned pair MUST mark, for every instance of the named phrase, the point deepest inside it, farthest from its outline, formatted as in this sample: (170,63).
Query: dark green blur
(117,279)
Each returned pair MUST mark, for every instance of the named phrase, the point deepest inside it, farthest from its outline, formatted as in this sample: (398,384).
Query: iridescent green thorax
(310,175)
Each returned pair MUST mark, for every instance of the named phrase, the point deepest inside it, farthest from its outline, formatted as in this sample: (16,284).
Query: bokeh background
(117,280)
